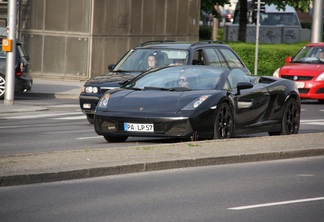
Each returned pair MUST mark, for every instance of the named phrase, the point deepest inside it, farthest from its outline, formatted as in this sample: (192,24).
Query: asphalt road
(285,190)
(64,127)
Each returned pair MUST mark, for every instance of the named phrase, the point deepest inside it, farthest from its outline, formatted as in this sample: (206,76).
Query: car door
(250,105)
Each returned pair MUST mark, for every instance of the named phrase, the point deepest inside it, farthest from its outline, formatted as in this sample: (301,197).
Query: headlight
(91,89)
(103,102)
(276,73)
(320,77)
(194,104)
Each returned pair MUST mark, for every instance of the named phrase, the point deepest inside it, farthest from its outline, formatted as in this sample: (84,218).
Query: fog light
(86,105)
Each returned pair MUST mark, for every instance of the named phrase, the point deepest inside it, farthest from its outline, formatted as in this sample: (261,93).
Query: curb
(152,166)
(53,95)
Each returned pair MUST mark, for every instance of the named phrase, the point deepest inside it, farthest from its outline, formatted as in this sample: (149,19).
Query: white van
(272,16)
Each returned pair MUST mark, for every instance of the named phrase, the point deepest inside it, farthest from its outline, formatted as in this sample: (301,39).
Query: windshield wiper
(179,89)
(155,88)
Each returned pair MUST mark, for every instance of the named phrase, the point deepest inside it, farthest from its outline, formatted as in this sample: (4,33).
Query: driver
(321,55)
(183,82)
(151,61)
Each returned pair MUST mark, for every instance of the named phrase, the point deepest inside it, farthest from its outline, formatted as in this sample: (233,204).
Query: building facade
(77,39)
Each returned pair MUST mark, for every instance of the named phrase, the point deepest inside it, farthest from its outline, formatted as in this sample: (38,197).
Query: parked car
(134,62)
(306,69)
(215,103)
(23,81)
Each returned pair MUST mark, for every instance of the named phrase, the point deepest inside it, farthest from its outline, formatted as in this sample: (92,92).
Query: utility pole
(317,21)
(10,42)
(260,7)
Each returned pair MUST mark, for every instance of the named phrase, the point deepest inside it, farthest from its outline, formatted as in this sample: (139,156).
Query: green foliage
(209,6)
(297,4)
(270,56)
(205,32)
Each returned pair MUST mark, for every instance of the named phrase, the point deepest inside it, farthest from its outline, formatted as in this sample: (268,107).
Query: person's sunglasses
(182,80)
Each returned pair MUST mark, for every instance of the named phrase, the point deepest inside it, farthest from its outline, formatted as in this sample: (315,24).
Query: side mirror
(288,59)
(243,85)
(111,67)
(123,82)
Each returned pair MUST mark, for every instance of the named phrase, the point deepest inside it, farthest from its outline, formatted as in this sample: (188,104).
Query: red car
(306,69)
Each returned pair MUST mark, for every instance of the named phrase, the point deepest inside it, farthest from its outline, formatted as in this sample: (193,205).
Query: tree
(211,6)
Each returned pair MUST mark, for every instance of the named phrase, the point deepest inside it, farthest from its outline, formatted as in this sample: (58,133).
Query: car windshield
(284,19)
(178,78)
(138,60)
(310,54)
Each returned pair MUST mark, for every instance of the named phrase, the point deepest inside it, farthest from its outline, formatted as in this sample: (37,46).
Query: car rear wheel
(290,119)
(115,139)
(90,118)
(2,86)
(223,127)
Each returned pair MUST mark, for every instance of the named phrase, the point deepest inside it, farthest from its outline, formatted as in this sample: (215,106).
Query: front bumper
(312,90)
(88,103)
(179,127)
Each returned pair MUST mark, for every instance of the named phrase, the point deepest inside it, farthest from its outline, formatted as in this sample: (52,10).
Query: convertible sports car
(198,101)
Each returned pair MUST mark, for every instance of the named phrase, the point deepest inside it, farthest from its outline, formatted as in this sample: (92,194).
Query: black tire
(224,123)
(90,118)
(115,139)
(2,86)
(290,119)
(321,101)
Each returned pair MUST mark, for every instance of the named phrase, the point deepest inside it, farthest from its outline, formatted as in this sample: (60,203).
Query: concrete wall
(77,39)
(269,34)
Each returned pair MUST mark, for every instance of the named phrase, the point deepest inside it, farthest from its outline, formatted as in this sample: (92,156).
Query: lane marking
(71,118)
(35,116)
(90,137)
(276,203)
(318,122)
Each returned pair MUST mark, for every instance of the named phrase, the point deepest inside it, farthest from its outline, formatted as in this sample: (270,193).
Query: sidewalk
(56,88)
(77,164)
(43,88)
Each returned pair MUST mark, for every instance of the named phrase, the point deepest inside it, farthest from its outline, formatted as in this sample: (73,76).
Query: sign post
(9,45)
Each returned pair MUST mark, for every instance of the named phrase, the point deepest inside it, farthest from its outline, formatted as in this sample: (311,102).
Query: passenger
(177,62)
(321,55)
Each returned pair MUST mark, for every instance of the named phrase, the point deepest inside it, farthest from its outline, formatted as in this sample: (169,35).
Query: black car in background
(23,81)
(166,53)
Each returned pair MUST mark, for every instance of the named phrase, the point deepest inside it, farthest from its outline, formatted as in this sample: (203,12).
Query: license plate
(136,127)
(300,85)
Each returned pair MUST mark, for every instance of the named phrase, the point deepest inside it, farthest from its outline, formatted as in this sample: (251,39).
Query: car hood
(153,100)
(112,77)
(302,69)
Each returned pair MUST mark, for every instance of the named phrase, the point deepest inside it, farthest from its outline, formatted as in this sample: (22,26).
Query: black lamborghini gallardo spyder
(208,102)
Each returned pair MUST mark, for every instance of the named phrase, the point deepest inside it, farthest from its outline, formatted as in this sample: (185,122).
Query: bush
(270,56)
(205,33)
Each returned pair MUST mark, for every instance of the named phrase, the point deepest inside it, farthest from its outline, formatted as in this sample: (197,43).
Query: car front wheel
(224,124)
(90,118)
(115,139)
